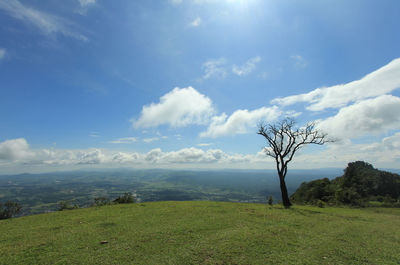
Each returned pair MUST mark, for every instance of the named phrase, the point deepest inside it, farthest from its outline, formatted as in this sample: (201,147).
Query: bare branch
(284,140)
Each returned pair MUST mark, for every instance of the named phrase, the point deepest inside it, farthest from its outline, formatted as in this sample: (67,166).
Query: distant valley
(39,193)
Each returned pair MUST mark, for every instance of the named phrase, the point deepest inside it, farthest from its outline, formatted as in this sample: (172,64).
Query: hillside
(360,185)
(203,233)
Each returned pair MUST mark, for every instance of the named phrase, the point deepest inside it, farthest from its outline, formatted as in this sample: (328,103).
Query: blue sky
(183,83)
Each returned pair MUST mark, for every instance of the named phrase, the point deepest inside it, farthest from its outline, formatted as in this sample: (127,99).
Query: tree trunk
(285,196)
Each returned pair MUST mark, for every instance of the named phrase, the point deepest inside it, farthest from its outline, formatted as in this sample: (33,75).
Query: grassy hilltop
(203,233)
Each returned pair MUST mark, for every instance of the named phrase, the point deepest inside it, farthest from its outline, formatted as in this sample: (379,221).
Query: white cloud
(176,2)
(16,149)
(125,140)
(94,156)
(299,61)
(47,23)
(84,6)
(240,121)
(371,116)
(392,142)
(196,22)
(204,144)
(17,153)
(194,155)
(154,155)
(152,139)
(179,107)
(215,68)
(247,67)
(383,153)
(124,158)
(84,3)
(380,82)
(197,156)
(2,53)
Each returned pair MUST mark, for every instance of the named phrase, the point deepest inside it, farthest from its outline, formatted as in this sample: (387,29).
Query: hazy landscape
(39,193)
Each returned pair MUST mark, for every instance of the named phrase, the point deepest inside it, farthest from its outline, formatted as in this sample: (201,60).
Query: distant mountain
(360,184)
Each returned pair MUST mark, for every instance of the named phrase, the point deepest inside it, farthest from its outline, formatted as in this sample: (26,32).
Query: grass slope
(203,233)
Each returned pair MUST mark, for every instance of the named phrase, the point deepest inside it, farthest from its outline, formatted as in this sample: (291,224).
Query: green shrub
(66,205)
(126,198)
(270,201)
(100,201)
(390,202)
(321,204)
(9,209)
(348,196)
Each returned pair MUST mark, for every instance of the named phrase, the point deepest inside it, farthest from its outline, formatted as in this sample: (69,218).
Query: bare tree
(283,141)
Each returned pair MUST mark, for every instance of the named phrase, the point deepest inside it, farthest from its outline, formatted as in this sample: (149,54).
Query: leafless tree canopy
(284,140)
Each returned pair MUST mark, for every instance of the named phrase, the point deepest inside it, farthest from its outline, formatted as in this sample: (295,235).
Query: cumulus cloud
(125,140)
(154,155)
(380,82)
(247,67)
(17,152)
(392,142)
(46,23)
(57,157)
(240,121)
(94,156)
(16,149)
(371,116)
(124,158)
(197,156)
(194,155)
(215,68)
(177,108)
(2,53)
(384,153)
(196,22)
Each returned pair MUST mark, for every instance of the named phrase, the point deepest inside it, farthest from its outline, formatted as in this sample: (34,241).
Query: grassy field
(203,233)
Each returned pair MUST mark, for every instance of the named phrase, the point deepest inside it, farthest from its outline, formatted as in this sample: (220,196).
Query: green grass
(203,233)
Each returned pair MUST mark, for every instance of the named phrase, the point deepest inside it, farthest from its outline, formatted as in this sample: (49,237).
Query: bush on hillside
(66,205)
(101,201)
(9,209)
(126,198)
(321,204)
(270,201)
